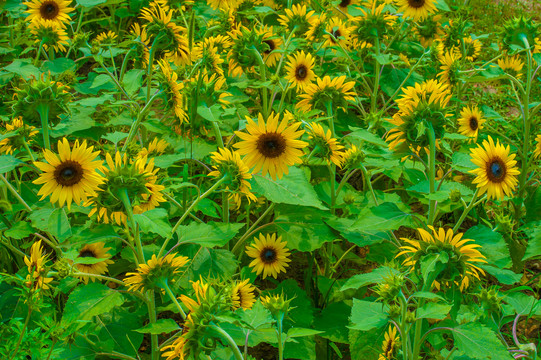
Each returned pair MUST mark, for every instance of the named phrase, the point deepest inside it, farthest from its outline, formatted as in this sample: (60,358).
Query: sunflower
(105,38)
(220,42)
(450,67)
(317,95)
(242,295)
(512,64)
(537,150)
(208,58)
(390,344)
(343,5)
(271,146)
(156,273)
(472,48)
(429,29)
(327,147)
(374,23)
(71,175)
(497,171)
(49,33)
(272,54)
(53,10)
(416,9)
(24,134)
(229,163)
(298,17)
(94,251)
(471,122)
(172,91)
(270,255)
(140,37)
(155,148)
(316,30)
(463,254)
(300,70)
(352,157)
(337,33)
(36,271)
(223,4)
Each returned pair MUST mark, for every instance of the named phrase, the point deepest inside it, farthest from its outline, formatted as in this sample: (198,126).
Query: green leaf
(90,3)
(302,227)
(301,311)
(479,342)
(432,265)
(59,224)
(208,235)
(101,80)
(376,276)
(333,320)
(367,136)
(533,230)
(504,276)
(57,66)
(8,163)
(212,113)
(207,262)
(159,327)
(257,317)
(462,162)
(40,218)
(132,81)
(366,345)
(23,68)
(154,221)
(427,295)
(20,230)
(433,311)
(533,206)
(292,189)
(115,137)
(302,332)
(90,300)
(493,246)
(367,315)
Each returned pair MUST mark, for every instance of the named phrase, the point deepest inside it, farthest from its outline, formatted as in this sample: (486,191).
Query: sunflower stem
(374,97)
(15,193)
(25,144)
(466,211)
(217,133)
(431,173)
(23,330)
(101,277)
(43,111)
(135,125)
(189,209)
(124,64)
(403,325)
(281,344)
(230,341)
(151,304)
(38,53)
(263,71)
(123,195)
(369,184)
(240,242)
(174,298)
(151,54)
(225,207)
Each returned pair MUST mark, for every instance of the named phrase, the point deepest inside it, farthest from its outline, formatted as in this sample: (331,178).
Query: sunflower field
(270,179)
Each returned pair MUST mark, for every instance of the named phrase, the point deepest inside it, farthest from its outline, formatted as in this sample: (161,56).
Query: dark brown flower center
(68,173)
(49,10)
(271,45)
(344,3)
(268,255)
(87,253)
(301,72)
(416,3)
(336,33)
(271,145)
(496,170)
(239,294)
(473,123)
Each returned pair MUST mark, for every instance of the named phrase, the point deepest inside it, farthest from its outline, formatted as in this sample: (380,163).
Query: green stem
(431,173)
(151,304)
(23,331)
(374,97)
(43,110)
(135,125)
(15,193)
(151,54)
(218,134)
(263,71)
(124,65)
(174,298)
(25,144)
(369,184)
(466,211)
(240,242)
(101,277)
(225,207)
(280,342)
(189,209)
(123,195)
(230,341)
(403,325)
(38,53)
(344,180)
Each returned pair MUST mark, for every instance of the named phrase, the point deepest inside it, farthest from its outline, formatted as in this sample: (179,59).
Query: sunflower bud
(277,305)
(394,311)
(390,288)
(63,267)
(455,195)
(410,317)
(490,299)
(519,32)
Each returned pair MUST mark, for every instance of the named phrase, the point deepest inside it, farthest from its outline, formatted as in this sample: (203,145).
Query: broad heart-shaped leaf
(479,342)
(376,276)
(59,224)
(160,326)
(366,345)
(432,265)
(293,189)
(90,300)
(212,113)
(132,81)
(534,242)
(433,310)
(19,230)
(302,227)
(333,320)
(504,276)
(206,262)
(462,162)
(367,136)
(154,221)
(493,245)
(8,163)
(367,315)
(24,68)
(90,3)
(210,234)
(302,313)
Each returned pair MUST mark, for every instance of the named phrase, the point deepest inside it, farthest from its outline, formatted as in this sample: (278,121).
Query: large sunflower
(271,146)
(325,90)
(156,273)
(71,175)
(94,251)
(416,9)
(463,254)
(337,33)
(300,70)
(53,10)
(470,122)
(242,295)
(497,172)
(270,255)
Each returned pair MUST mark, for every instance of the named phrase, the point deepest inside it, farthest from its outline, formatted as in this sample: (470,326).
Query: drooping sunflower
(300,70)
(298,17)
(49,33)
(470,122)
(209,59)
(537,150)
(375,22)
(24,134)
(326,147)
(336,91)
(497,172)
(242,295)
(94,251)
(71,175)
(450,68)
(337,33)
(156,273)
(36,278)
(271,146)
(140,37)
(416,9)
(53,10)
(316,30)
(270,254)
(512,65)
(463,255)
(172,90)
(390,344)
(429,29)
(229,163)
(352,157)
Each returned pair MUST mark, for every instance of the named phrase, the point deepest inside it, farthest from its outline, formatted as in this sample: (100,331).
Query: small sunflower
(273,42)
(537,150)
(416,9)
(472,48)
(471,122)
(270,255)
(156,273)
(172,91)
(298,17)
(140,37)
(209,59)
(154,148)
(24,134)
(429,29)
(242,295)
(49,33)
(71,175)
(36,278)
(450,67)
(94,251)
(316,30)
(390,344)
(336,91)
(463,254)
(105,38)
(352,157)
(497,172)
(327,147)
(300,70)
(337,33)
(374,23)
(512,65)
(53,10)
(229,163)
(271,146)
